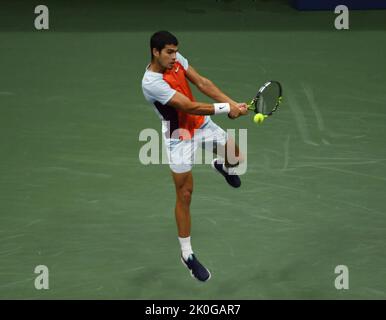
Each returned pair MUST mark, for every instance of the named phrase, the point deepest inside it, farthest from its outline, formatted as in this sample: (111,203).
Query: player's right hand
(237,110)
(243,108)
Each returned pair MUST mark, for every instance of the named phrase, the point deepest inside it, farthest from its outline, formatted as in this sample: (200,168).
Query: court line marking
(349,172)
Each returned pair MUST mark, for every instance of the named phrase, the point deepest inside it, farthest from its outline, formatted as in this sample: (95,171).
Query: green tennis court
(75,197)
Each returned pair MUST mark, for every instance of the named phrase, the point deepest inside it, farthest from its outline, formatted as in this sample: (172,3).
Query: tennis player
(165,86)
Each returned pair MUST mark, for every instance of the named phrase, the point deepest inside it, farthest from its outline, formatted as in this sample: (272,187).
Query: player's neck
(156,67)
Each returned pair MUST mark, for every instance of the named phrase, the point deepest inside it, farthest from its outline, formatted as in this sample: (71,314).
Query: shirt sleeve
(158,90)
(184,62)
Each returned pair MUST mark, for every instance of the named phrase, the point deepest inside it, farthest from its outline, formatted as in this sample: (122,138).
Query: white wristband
(221,108)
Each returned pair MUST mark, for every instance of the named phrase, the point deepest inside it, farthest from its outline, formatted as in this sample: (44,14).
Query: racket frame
(253,104)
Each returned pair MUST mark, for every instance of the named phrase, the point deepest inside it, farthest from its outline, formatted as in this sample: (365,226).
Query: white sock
(186,247)
(229,170)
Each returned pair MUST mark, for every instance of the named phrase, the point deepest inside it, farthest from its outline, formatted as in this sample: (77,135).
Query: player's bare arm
(181,102)
(208,88)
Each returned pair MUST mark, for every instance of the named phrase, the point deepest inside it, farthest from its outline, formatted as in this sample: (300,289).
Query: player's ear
(156,53)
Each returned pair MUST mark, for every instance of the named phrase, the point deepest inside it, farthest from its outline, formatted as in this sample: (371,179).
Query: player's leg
(184,188)
(181,162)
(228,151)
(233,156)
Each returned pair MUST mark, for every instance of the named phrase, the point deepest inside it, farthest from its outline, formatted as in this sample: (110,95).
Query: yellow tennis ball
(258,118)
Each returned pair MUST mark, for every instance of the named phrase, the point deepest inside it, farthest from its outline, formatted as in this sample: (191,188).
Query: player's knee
(185,194)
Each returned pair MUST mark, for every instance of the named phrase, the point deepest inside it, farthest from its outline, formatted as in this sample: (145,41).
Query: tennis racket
(267,100)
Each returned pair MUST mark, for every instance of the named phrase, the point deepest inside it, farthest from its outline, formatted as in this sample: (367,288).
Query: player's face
(167,56)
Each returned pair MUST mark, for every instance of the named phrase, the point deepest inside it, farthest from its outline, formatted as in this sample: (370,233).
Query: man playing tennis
(165,86)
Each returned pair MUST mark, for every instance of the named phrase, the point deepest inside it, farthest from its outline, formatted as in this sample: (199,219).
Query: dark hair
(160,39)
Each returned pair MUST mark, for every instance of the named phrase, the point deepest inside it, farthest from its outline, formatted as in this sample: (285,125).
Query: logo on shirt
(178,68)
